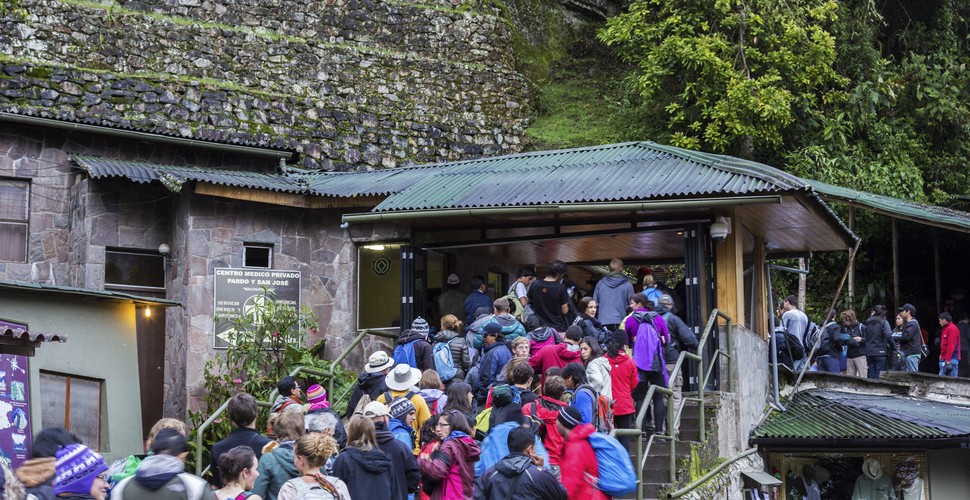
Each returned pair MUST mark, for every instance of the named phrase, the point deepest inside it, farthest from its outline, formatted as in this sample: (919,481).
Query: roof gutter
(394,216)
(144,136)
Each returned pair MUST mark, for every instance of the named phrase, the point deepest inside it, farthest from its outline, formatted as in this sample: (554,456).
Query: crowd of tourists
(865,347)
(516,403)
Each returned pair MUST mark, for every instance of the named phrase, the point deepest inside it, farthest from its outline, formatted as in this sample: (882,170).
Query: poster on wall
(239,291)
(14,406)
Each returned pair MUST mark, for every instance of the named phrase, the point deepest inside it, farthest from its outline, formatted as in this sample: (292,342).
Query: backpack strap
(515,482)
(325,484)
(594,401)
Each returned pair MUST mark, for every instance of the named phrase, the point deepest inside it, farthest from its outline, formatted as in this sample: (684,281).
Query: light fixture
(720,229)
(376,248)
(148,312)
(164,249)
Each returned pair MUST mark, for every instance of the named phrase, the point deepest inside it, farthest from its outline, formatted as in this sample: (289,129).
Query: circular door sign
(381,266)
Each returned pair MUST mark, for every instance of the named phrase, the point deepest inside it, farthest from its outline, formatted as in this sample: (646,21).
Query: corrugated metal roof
(894,207)
(834,415)
(23,335)
(616,172)
(172,175)
(85,292)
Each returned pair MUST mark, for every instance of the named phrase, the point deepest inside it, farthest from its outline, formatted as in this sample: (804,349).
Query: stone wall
(347,83)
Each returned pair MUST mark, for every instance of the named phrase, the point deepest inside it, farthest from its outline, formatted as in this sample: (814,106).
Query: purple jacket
(648,349)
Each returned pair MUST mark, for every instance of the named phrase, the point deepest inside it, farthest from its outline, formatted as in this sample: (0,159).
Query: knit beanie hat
(569,417)
(420,326)
(76,468)
(400,407)
(316,394)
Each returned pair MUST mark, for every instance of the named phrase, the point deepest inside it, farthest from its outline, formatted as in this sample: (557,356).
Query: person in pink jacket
(449,469)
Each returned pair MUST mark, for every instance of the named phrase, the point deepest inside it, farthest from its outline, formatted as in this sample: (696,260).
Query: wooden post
(896,296)
(802,284)
(851,285)
(936,271)
(730,271)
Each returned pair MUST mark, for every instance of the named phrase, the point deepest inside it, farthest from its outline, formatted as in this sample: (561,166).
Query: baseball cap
(908,307)
(375,409)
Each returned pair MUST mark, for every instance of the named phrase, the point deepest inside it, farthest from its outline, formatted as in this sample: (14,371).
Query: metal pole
(774,341)
(852,263)
(936,271)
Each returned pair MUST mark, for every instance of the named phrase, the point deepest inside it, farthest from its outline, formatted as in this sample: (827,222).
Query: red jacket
(623,374)
(547,410)
(554,355)
(578,461)
(950,343)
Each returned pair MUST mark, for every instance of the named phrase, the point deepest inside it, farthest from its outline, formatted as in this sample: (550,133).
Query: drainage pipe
(144,136)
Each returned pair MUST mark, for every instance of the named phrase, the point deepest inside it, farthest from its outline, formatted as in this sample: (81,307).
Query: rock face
(347,83)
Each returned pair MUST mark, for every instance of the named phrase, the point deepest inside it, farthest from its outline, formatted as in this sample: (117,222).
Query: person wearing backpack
(540,335)
(796,323)
(511,328)
(578,457)
(495,355)
(309,454)
(681,339)
(370,384)
(238,470)
(911,340)
(449,340)
(518,474)
(401,381)
(830,345)
(623,374)
(584,396)
(413,347)
(433,391)
(162,475)
(405,476)
(541,416)
(649,340)
(558,355)
(586,319)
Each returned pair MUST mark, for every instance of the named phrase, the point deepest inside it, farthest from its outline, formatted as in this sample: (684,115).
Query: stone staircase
(656,470)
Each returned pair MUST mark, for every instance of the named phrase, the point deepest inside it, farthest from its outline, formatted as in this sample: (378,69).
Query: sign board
(238,291)
(15,434)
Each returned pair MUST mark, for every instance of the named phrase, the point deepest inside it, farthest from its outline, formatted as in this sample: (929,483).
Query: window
(73,403)
(257,255)
(128,269)
(14,209)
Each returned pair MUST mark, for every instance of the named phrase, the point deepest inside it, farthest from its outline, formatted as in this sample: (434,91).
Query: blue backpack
(404,353)
(444,363)
(617,477)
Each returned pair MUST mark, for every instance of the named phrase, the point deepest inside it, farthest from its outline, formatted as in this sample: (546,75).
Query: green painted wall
(101,344)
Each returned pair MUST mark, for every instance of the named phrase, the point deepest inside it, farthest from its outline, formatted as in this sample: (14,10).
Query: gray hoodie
(612,295)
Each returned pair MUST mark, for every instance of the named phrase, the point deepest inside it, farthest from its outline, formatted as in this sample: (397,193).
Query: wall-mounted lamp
(344,225)
(148,312)
(164,249)
(720,229)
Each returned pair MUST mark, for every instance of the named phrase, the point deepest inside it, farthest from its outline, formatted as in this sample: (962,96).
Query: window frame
(25,222)
(137,288)
(269,259)
(67,402)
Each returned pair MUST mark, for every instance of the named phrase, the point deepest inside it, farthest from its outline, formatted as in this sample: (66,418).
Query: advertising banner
(15,430)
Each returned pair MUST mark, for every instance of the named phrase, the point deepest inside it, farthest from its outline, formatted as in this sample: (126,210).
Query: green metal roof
(932,215)
(616,172)
(27,286)
(842,416)
(173,176)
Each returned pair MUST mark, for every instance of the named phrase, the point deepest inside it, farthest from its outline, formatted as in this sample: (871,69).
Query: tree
(730,75)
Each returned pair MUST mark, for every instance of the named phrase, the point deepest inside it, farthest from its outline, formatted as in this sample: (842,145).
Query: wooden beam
(762,308)
(896,295)
(286,199)
(729,263)
(852,263)
(938,279)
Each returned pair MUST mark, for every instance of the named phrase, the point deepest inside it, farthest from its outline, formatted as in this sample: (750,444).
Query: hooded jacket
(541,337)
(856,349)
(613,294)
(36,474)
(423,354)
(682,338)
(406,475)
(275,469)
(281,401)
(494,359)
(367,383)
(368,474)
(458,346)
(647,348)
(511,329)
(578,461)
(534,484)
(830,343)
(879,336)
(598,376)
(623,373)
(546,410)
(554,355)
(162,477)
(451,468)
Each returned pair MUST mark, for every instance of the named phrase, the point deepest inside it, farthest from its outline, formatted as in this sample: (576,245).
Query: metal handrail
(673,414)
(711,473)
(327,375)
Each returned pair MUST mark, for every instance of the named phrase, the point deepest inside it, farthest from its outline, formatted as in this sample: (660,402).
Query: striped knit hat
(316,394)
(420,325)
(76,468)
